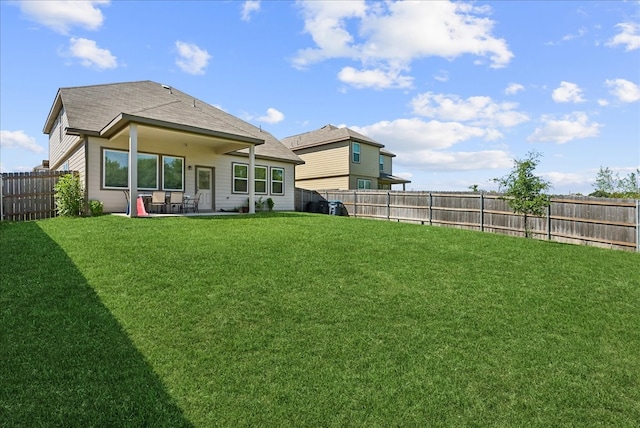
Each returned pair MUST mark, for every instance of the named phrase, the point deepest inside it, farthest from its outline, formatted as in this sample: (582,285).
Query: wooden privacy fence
(611,223)
(28,195)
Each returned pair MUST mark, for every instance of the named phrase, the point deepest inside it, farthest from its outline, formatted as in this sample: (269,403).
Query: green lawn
(310,320)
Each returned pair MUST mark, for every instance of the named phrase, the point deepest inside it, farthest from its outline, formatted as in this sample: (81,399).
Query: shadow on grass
(65,361)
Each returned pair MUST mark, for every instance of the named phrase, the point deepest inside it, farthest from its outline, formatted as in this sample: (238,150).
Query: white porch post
(252,182)
(133,170)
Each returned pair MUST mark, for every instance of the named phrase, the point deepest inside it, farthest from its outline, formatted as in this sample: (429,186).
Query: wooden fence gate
(28,195)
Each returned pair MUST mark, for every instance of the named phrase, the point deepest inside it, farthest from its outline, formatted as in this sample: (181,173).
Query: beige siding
(114,200)
(324,161)
(60,143)
(353,181)
(387,168)
(369,166)
(341,183)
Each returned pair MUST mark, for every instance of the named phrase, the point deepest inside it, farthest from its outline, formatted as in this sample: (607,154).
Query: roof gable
(326,135)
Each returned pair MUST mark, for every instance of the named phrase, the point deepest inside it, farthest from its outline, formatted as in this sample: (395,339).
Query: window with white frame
(261,180)
(364,183)
(381,163)
(356,152)
(277,181)
(240,178)
(172,173)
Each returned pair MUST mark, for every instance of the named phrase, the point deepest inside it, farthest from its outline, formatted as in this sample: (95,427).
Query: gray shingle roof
(325,135)
(90,109)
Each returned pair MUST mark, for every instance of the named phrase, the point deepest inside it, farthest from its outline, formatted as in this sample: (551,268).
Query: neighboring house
(340,158)
(180,143)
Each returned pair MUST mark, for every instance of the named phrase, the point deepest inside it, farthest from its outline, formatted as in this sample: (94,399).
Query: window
(277,181)
(364,184)
(172,173)
(381,163)
(261,180)
(356,152)
(147,171)
(240,178)
(115,169)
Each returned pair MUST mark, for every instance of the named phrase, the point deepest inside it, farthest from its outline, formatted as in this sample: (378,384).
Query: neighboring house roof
(393,179)
(103,110)
(326,135)
(384,151)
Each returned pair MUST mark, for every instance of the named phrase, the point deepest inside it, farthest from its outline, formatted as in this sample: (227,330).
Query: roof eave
(123,119)
(53,113)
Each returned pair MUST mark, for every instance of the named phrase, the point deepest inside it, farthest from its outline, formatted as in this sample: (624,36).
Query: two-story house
(145,136)
(340,158)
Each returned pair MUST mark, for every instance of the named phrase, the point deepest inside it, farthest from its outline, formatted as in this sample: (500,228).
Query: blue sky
(456,90)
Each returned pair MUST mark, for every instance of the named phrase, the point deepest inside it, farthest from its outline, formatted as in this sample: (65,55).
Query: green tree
(610,185)
(524,191)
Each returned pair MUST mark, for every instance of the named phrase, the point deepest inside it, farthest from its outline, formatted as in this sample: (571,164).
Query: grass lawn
(310,320)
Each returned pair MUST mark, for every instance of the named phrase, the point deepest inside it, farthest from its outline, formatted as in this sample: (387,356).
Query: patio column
(252,182)
(133,170)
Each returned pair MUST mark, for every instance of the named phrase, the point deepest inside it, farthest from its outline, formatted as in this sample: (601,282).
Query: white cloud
(387,37)
(416,134)
(19,140)
(567,92)
(420,145)
(91,55)
(568,180)
(249,7)
(624,90)
(60,16)
(603,102)
(442,76)
(272,116)
(513,88)
(377,79)
(628,36)
(479,110)
(570,127)
(581,32)
(191,59)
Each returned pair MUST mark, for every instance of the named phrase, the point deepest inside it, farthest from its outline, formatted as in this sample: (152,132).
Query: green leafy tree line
(610,185)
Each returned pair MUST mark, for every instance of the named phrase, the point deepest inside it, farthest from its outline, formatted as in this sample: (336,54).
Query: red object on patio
(141,211)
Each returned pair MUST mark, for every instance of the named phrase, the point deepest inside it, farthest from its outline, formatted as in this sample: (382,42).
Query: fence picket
(28,195)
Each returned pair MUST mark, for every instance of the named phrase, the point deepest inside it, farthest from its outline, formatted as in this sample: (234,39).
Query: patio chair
(192,204)
(176,200)
(159,200)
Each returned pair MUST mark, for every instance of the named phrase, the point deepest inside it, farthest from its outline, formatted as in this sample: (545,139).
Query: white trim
(133,170)
(251,178)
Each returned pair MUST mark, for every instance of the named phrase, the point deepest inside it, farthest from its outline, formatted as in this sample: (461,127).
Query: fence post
(430,209)
(549,222)
(637,225)
(1,198)
(355,203)
(481,212)
(388,205)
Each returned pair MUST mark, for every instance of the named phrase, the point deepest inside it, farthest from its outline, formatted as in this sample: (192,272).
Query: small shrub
(96,207)
(69,196)
(270,204)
